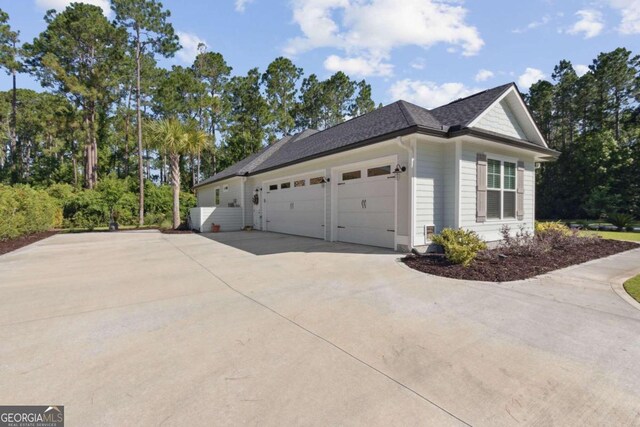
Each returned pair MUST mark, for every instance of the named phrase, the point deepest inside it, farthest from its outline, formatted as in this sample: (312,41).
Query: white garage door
(366,206)
(296,206)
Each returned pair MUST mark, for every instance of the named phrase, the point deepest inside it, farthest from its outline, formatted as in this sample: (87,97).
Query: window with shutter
(503,180)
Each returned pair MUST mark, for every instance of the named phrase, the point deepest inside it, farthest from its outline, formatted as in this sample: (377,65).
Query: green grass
(614,235)
(632,286)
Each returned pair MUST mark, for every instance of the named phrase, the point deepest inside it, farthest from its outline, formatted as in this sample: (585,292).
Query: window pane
(493,204)
(351,175)
(493,174)
(509,176)
(314,181)
(273,187)
(217,200)
(299,183)
(509,204)
(285,185)
(382,170)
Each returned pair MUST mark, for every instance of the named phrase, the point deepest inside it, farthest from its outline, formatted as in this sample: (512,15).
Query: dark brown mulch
(7,246)
(490,267)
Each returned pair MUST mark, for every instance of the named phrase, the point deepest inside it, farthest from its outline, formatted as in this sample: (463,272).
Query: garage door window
(351,175)
(273,187)
(316,180)
(285,185)
(379,171)
(299,183)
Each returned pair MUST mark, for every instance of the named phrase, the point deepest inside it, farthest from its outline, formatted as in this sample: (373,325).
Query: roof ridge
(473,95)
(405,112)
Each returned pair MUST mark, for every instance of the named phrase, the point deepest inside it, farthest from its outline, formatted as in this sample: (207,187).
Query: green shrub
(25,210)
(544,227)
(621,221)
(86,209)
(460,246)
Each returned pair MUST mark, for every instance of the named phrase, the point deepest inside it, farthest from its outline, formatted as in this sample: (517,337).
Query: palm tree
(176,139)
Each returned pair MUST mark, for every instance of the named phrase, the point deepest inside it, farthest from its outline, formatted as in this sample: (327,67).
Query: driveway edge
(618,288)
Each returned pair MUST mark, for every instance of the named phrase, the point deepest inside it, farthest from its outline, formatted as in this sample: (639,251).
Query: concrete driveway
(142,328)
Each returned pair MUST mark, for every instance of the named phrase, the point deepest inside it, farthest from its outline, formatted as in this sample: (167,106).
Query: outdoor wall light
(399,169)
(325,180)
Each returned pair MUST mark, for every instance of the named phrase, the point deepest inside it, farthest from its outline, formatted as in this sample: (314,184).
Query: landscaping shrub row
(25,210)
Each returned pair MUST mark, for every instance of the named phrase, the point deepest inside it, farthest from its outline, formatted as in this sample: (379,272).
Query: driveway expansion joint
(316,335)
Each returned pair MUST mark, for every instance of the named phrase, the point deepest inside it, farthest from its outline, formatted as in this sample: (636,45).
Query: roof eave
(513,142)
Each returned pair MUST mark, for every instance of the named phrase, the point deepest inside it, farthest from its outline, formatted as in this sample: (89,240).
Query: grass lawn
(632,286)
(614,235)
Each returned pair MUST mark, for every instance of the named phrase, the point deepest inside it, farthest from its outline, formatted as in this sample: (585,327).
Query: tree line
(594,121)
(109,109)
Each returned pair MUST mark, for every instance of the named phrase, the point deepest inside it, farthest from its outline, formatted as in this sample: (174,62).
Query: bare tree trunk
(139,120)
(15,150)
(174,159)
(127,120)
(199,161)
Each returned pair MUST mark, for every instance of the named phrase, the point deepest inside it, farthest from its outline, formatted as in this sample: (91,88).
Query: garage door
(296,206)
(366,206)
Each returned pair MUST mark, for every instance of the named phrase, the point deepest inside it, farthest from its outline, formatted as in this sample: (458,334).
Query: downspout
(410,147)
(242,200)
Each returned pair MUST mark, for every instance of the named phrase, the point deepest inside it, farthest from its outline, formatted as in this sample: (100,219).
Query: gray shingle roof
(382,123)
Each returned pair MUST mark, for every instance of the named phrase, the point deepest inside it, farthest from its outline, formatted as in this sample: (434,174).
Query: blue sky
(424,51)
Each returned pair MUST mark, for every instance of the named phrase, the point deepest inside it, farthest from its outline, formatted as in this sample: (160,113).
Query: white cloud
(372,29)
(358,66)
(483,75)
(581,69)
(60,5)
(241,5)
(429,94)
(533,25)
(630,11)
(590,23)
(189,42)
(529,77)
(418,64)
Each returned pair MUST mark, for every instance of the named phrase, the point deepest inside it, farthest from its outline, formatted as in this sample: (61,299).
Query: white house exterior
(390,178)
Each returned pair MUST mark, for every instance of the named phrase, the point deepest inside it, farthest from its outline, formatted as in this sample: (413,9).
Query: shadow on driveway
(268,243)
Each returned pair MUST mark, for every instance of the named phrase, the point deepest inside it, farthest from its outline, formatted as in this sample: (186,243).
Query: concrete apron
(271,329)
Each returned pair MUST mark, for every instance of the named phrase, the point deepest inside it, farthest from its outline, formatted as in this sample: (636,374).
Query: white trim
(457,212)
(510,91)
(412,193)
(242,200)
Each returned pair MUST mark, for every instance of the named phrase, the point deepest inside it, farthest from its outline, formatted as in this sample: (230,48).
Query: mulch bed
(490,267)
(7,246)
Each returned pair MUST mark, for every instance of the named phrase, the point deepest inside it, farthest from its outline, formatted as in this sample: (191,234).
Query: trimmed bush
(24,210)
(460,246)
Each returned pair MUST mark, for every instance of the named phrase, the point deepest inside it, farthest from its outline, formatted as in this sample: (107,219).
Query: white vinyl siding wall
(206,194)
(433,193)
(229,219)
(490,230)
(501,120)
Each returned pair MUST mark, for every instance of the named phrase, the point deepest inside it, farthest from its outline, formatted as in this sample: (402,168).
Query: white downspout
(410,146)
(242,200)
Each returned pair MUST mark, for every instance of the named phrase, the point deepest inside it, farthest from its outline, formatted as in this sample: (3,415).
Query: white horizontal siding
(500,119)
(229,219)
(490,230)
(430,187)
(206,194)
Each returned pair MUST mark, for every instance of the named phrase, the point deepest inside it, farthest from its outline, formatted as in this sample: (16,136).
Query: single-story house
(389,178)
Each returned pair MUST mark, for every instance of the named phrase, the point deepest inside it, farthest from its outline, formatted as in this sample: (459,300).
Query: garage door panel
(366,212)
(298,210)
